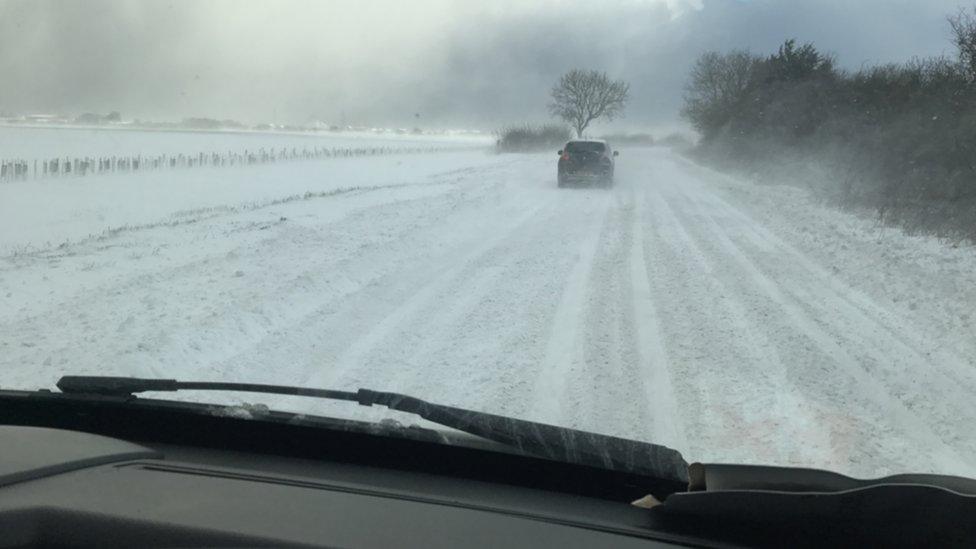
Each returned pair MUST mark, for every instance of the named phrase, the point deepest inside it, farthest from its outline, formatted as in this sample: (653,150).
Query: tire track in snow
(386,276)
(563,362)
(889,349)
(903,334)
(757,413)
(389,310)
(944,456)
(480,341)
(426,365)
(470,344)
(666,417)
(415,300)
(608,393)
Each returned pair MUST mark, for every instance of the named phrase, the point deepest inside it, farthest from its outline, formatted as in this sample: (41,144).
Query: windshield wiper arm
(538,439)
(122,386)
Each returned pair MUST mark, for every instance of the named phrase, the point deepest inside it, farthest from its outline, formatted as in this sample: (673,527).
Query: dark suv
(586,161)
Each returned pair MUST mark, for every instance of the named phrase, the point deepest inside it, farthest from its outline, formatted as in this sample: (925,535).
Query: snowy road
(735,323)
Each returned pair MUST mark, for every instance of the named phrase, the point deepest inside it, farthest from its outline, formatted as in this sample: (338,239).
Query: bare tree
(718,82)
(581,97)
(963,26)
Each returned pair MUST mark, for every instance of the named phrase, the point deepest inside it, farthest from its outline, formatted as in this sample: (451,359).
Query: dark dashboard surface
(66,488)
(96,471)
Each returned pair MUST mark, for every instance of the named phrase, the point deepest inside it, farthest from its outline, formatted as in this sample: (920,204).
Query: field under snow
(51,142)
(734,322)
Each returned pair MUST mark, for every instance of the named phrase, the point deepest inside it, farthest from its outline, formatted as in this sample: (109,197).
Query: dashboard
(68,488)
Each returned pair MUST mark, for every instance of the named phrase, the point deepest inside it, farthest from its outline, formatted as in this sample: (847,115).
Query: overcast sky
(455,63)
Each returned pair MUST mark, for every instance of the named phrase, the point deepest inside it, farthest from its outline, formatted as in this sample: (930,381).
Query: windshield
(778,268)
(585,146)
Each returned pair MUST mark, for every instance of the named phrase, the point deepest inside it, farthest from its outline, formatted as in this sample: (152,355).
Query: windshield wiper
(537,439)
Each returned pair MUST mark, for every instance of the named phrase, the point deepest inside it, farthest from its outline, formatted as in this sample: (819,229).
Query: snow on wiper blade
(538,439)
(121,386)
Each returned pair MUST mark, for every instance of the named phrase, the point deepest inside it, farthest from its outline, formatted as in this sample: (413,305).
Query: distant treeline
(19,170)
(526,137)
(899,139)
(635,139)
(543,137)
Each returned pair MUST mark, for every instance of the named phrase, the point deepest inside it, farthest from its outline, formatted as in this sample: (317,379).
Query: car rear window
(585,146)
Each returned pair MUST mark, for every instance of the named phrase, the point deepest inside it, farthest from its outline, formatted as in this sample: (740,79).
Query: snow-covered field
(734,322)
(41,143)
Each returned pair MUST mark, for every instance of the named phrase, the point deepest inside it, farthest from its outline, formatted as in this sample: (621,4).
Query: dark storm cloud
(453,63)
(91,55)
(653,49)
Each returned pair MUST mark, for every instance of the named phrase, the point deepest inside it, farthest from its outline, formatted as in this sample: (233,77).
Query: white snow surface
(45,143)
(733,322)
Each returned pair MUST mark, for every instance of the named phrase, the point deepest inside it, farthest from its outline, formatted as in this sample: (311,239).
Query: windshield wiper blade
(122,386)
(537,439)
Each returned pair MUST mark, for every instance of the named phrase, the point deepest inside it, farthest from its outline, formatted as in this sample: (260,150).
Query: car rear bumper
(585,176)
(589,170)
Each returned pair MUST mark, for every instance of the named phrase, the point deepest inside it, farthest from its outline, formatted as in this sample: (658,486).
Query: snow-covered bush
(526,137)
